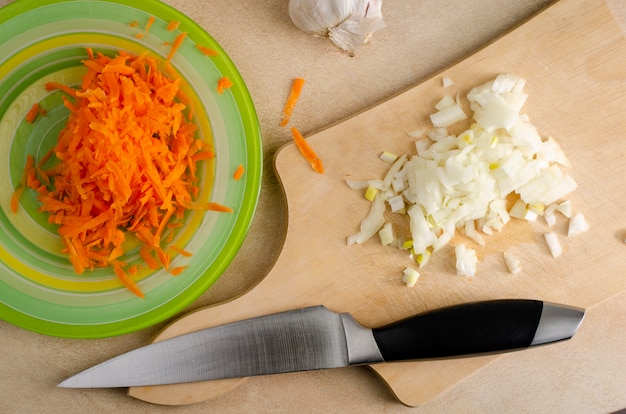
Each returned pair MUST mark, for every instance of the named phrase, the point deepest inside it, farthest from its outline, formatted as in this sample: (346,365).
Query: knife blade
(316,338)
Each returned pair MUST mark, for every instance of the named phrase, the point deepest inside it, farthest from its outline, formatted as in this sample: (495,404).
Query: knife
(316,338)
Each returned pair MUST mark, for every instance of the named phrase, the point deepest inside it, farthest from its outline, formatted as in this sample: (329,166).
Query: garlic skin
(348,24)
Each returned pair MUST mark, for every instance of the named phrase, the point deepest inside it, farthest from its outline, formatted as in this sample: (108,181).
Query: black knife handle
(473,328)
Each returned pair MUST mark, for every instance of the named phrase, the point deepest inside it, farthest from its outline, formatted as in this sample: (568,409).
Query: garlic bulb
(347,23)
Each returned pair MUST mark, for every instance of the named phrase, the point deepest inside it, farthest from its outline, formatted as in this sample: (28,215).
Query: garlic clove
(348,24)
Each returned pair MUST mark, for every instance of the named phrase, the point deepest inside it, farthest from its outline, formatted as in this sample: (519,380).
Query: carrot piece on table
(175,45)
(32,113)
(206,50)
(292,99)
(306,151)
(238,172)
(173,25)
(223,83)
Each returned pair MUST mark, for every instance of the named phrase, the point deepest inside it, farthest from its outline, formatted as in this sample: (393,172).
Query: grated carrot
(124,163)
(223,83)
(206,51)
(173,25)
(134,23)
(238,172)
(175,45)
(306,151)
(292,100)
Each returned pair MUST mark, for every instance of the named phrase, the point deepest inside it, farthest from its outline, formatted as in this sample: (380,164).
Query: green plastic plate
(45,41)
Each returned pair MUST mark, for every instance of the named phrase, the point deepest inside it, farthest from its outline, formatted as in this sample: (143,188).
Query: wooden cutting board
(573,56)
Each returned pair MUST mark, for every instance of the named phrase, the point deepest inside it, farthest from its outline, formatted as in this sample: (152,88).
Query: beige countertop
(586,375)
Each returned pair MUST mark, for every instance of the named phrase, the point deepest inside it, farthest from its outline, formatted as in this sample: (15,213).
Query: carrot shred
(292,100)
(223,83)
(173,25)
(134,23)
(175,45)
(206,50)
(238,172)
(32,113)
(51,86)
(307,152)
(149,24)
(177,270)
(27,177)
(180,251)
(125,162)
(15,198)
(127,281)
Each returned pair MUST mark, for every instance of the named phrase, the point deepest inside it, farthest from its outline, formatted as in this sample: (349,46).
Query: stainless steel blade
(303,339)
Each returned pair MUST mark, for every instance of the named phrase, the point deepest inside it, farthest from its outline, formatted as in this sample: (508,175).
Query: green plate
(45,41)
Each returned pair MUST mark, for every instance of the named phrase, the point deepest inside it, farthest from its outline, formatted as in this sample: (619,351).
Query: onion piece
(577,225)
(410,276)
(466,261)
(386,234)
(370,224)
(552,240)
(512,263)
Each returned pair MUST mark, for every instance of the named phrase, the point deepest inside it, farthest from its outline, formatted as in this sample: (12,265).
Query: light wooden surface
(582,375)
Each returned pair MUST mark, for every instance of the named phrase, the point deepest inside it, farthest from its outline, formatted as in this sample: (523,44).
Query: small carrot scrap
(28,176)
(206,50)
(306,151)
(223,83)
(51,86)
(238,172)
(173,25)
(125,162)
(180,251)
(292,100)
(175,45)
(134,23)
(15,198)
(210,206)
(127,280)
(175,271)
(32,113)
(149,24)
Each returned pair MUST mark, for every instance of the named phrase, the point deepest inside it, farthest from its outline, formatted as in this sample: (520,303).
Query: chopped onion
(553,244)
(577,225)
(447,82)
(462,182)
(466,261)
(448,116)
(512,263)
(386,234)
(410,276)
(388,156)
